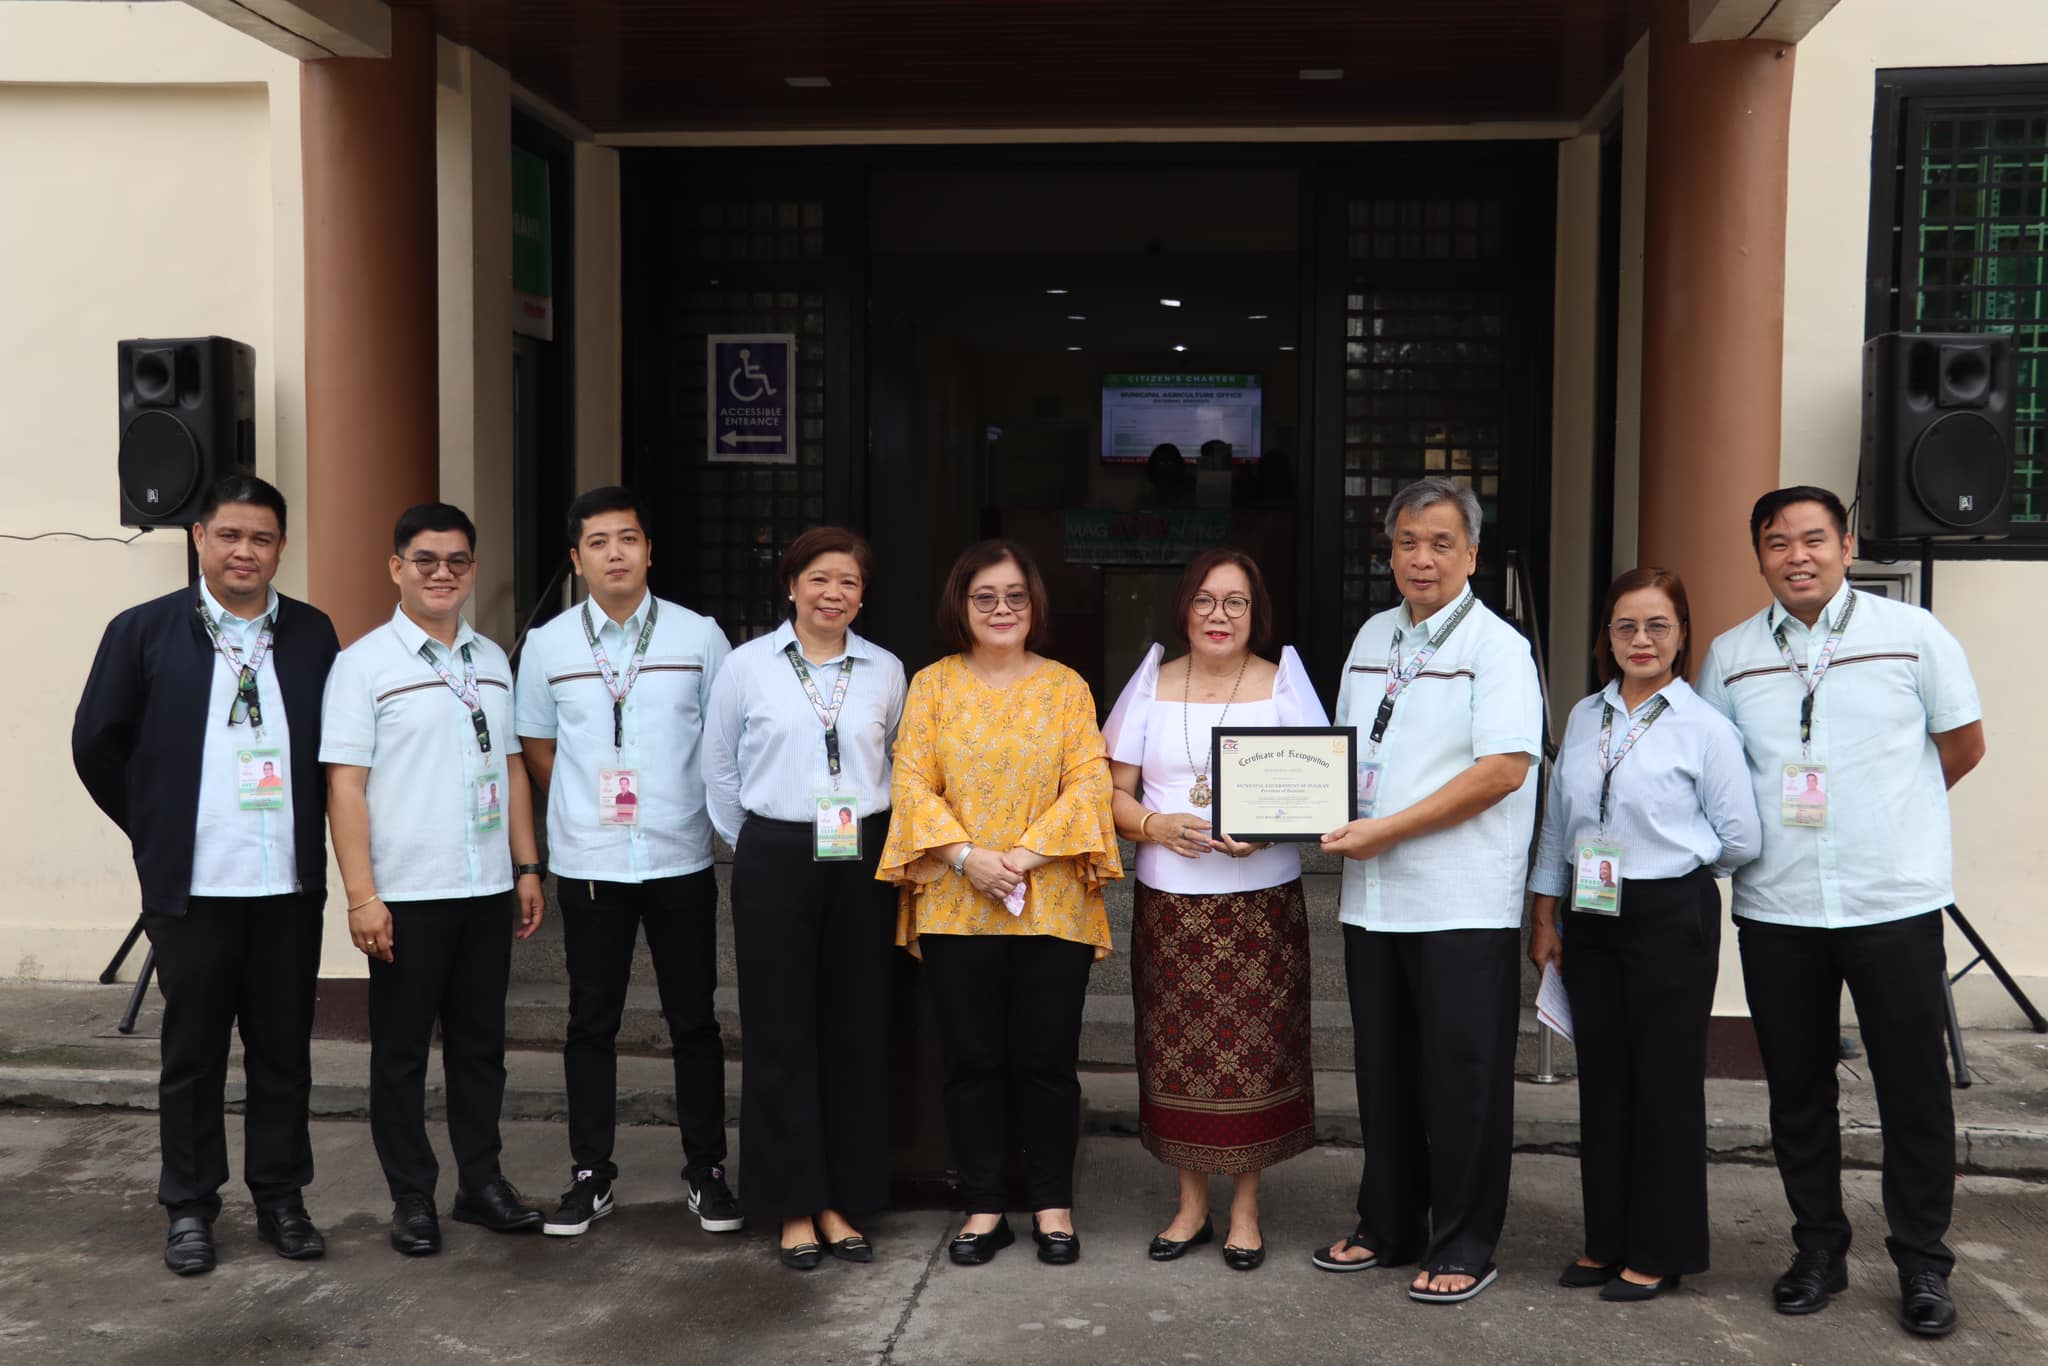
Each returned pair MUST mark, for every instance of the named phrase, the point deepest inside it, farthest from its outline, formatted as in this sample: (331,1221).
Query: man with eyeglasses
(199,735)
(419,744)
(1857,714)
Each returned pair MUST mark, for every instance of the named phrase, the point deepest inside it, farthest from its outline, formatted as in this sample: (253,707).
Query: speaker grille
(159,463)
(1959,470)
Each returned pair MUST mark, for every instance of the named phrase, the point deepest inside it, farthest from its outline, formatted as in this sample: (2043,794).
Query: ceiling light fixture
(1322,73)
(1178,347)
(1255,317)
(1055,291)
(1286,348)
(807,82)
(1073,348)
(1077,317)
(1171,303)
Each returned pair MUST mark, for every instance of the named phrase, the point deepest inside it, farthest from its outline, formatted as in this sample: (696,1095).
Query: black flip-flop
(1482,1278)
(1325,1262)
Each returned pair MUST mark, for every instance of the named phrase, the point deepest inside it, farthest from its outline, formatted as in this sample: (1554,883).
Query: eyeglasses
(1234,606)
(1660,630)
(1017,600)
(458,565)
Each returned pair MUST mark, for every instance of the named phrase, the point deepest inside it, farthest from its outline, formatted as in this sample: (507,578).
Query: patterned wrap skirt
(1221,984)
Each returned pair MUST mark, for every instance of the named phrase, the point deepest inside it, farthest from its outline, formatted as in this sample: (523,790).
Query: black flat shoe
(1056,1249)
(188,1246)
(415,1230)
(498,1208)
(1165,1249)
(1243,1258)
(802,1257)
(1924,1305)
(979,1249)
(290,1229)
(1577,1277)
(1807,1283)
(1622,1290)
(853,1249)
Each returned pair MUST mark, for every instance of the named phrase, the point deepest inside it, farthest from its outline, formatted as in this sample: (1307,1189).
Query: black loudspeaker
(1937,436)
(188,419)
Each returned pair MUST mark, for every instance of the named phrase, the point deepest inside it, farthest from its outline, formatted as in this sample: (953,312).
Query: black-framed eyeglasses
(458,565)
(1660,630)
(1234,606)
(1017,600)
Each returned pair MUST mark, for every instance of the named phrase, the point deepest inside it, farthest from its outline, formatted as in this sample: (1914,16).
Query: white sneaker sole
(716,1225)
(555,1230)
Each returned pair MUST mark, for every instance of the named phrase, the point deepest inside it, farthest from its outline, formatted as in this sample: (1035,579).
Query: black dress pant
(813,941)
(1642,987)
(1433,1019)
(450,964)
(1895,972)
(600,923)
(1009,1014)
(227,962)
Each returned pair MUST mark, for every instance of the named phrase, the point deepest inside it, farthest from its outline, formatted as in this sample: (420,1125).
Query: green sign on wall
(533,286)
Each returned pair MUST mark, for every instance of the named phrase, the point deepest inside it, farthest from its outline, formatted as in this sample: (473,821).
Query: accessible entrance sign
(749,398)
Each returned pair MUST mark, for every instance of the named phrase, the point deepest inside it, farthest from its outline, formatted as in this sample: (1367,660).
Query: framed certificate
(1283,783)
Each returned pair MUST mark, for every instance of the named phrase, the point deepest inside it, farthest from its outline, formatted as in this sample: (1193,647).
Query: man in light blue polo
(611,712)
(1450,725)
(1858,714)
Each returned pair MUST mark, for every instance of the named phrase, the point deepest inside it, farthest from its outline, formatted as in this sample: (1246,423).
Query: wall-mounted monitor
(1141,413)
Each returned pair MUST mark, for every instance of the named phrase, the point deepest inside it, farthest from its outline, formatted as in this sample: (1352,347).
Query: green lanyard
(246,699)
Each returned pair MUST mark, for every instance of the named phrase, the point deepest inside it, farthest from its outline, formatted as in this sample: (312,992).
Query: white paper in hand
(1553,1007)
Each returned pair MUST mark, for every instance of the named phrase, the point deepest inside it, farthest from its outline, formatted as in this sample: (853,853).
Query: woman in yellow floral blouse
(1000,839)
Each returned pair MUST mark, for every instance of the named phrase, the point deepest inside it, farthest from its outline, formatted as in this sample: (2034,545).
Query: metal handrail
(557,581)
(1522,612)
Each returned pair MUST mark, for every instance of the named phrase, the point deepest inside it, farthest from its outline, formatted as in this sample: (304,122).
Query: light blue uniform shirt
(1681,798)
(237,852)
(1898,678)
(1479,696)
(386,710)
(764,746)
(562,697)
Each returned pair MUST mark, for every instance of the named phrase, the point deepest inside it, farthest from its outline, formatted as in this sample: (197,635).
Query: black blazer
(140,733)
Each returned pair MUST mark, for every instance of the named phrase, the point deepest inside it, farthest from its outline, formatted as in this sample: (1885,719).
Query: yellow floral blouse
(1001,767)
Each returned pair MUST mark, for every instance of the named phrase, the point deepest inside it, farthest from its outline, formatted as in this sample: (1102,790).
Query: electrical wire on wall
(80,535)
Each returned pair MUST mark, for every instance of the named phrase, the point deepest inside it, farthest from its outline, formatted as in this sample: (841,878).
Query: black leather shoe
(1165,1249)
(188,1247)
(415,1230)
(288,1227)
(1805,1286)
(802,1257)
(1622,1290)
(1243,1258)
(979,1249)
(498,1208)
(1924,1304)
(1055,1249)
(1578,1277)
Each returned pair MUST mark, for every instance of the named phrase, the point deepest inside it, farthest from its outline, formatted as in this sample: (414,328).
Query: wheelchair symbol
(747,370)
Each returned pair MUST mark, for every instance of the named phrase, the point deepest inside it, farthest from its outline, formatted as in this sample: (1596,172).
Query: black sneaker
(714,1204)
(590,1198)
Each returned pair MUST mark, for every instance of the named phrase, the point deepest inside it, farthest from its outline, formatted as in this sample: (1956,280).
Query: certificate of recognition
(1277,783)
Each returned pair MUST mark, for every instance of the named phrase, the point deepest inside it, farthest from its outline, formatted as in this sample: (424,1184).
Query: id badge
(1597,887)
(1368,786)
(259,779)
(618,796)
(1804,800)
(837,822)
(488,801)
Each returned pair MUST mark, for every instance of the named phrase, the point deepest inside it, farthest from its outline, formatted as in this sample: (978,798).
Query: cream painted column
(473,137)
(1573,421)
(599,347)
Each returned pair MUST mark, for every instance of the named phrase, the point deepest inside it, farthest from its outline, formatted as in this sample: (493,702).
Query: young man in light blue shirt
(611,713)
(1857,715)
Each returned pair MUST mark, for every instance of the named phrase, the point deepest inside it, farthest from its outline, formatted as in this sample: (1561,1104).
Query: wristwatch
(960,864)
(537,869)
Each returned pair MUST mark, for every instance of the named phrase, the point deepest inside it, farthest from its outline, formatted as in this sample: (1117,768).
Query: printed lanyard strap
(829,715)
(1812,677)
(1399,678)
(465,691)
(1608,763)
(246,700)
(620,690)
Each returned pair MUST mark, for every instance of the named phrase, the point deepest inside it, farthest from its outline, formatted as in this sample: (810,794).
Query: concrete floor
(81,1279)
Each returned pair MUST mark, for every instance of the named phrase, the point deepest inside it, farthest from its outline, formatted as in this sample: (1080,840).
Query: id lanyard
(1812,677)
(1628,742)
(465,691)
(612,683)
(246,699)
(829,715)
(1398,678)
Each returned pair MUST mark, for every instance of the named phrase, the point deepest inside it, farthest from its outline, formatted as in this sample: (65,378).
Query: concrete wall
(1999,610)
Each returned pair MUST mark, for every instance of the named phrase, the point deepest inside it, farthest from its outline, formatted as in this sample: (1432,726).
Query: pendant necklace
(1200,794)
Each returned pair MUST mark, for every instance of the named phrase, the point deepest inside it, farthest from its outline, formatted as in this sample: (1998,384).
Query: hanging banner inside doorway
(533,284)
(749,398)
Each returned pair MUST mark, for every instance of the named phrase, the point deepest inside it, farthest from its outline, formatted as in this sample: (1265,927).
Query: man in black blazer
(198,703)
